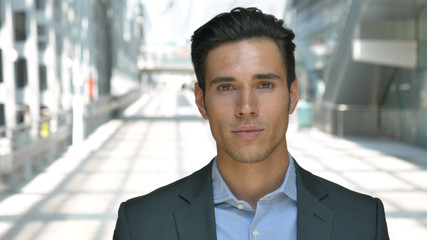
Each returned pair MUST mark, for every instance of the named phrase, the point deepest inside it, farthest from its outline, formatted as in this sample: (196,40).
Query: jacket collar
(196,220)
(314,220)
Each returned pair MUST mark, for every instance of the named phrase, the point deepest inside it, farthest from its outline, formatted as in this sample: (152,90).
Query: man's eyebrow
(260,76)
(266,76)
(219,80)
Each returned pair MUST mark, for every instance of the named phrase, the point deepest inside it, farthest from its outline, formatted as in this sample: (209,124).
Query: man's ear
(293,96)
(200,101)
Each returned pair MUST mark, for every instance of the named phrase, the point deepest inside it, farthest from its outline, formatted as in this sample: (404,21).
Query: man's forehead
(243,44)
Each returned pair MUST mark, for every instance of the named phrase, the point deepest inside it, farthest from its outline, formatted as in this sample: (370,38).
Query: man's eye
(224,88)
(266,85)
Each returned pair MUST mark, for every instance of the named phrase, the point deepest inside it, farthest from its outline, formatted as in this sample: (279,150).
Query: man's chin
(248,157)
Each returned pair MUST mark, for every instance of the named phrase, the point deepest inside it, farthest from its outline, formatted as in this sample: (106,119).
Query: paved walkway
(161,138)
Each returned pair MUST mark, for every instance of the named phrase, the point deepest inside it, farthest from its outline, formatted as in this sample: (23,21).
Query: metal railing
(29,148)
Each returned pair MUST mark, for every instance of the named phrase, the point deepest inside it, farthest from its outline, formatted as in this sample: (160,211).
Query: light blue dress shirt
(274,218)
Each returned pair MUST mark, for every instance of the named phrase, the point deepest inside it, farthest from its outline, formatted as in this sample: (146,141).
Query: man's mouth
(247,132)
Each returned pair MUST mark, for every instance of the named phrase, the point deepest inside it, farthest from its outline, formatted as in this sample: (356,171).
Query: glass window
(20,26)
(422,35)
(42,37)
(21,77)
(1,13)
(1,66)
(41,46)
(2,117)
(41,30)
(20,116)
(57,13)
(40,4)
(42,78)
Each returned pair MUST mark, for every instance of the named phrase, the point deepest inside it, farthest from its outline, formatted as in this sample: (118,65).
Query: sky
(172,22)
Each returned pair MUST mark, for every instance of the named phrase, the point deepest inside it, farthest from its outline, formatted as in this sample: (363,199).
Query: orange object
(90,82)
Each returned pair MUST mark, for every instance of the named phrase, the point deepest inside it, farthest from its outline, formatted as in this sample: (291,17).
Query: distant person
(253,189)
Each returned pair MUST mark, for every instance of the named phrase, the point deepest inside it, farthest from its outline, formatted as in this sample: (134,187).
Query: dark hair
(241,24)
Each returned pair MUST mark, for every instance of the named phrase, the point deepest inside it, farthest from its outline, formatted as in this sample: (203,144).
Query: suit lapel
(196,220)
(314,219)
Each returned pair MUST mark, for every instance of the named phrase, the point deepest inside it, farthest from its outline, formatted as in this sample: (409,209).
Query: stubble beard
(254,156)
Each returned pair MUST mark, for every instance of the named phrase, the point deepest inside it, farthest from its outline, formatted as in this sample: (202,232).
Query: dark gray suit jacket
(185,210)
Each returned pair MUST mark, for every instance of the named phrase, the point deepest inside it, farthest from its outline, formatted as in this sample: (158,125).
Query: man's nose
(247,103)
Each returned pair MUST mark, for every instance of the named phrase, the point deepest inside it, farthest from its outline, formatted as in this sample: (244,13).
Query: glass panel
(1,66)
(40,4)
(1,13)
(21,73)
(318,26)
(42,78)
(422,135)
(423,90)
(41,30)
(41,46)
(422,38)
(20,26)
(2,115)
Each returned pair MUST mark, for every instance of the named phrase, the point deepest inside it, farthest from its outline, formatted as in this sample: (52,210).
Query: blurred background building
(363,65)
(69,66)
(65,67)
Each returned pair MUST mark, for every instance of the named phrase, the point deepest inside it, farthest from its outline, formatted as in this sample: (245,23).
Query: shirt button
(255,233)
(240,206)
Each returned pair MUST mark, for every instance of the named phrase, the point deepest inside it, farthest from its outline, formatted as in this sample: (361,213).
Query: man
(253,189)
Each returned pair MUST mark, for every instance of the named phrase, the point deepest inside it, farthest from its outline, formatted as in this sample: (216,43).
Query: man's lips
(247,132)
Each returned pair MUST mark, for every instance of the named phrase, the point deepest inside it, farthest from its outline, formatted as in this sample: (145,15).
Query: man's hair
(241,24)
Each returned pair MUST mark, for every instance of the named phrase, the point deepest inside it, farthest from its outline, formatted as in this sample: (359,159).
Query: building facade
(364,67)
(52,50)
(61,62)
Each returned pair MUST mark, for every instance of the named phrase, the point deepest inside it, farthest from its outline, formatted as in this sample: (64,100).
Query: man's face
(247,101)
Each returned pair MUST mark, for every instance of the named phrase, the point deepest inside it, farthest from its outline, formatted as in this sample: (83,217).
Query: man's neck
(252,181)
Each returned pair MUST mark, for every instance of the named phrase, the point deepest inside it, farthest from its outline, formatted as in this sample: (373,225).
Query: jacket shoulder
(355,214)
(151,216)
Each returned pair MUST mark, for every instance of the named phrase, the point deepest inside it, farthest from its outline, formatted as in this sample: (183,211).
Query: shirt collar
(222,193)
